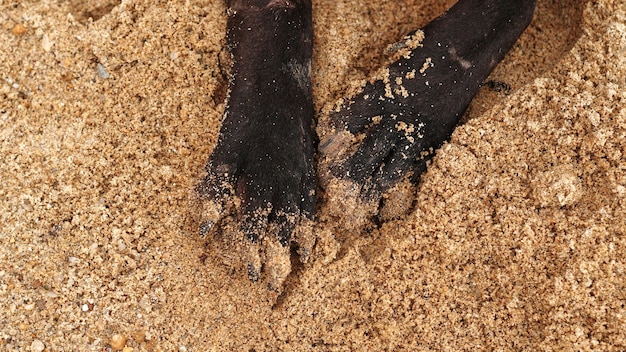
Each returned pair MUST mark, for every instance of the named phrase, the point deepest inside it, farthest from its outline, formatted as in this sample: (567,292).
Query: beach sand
(109,111)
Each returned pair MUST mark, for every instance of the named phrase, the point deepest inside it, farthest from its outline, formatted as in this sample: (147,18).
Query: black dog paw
(379,141)
(259,190)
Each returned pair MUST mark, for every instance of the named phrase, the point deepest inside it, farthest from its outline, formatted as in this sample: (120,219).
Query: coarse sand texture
(109,110)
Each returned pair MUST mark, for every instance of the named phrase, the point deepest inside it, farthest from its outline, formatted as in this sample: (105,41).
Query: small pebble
(150,345)
(139,336)
(46,43)
(117,342)
(40,304)
(102,72)
(37,346)
(19,29)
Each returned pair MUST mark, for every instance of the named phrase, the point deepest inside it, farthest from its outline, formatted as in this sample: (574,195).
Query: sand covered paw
(259,223)
(259,192)
(376,144)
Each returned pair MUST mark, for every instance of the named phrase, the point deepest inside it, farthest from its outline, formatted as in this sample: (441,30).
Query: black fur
(265,147)
(260,178)
(459,50)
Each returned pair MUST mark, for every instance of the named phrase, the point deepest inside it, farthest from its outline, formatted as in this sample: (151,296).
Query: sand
(109,110)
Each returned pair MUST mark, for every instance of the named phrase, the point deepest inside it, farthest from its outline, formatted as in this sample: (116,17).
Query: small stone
(37,346)
(40,304)
(150,345)
(127,349)
(144,303)
(19,29)
(102,72)
(46,43)
(139,336)
(117,342)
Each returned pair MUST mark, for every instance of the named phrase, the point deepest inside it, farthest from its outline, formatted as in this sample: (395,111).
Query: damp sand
(108,112)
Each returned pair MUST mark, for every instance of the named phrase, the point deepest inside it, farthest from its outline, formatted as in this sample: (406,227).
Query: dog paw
(259,192)
(377,143)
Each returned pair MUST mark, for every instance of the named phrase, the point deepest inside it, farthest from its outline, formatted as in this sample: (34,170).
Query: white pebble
(37,346)
(102,71)
(46,43)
